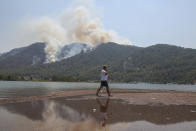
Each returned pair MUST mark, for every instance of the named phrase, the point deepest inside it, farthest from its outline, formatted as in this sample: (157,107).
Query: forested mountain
(22,57)
(155,64)
(35,55)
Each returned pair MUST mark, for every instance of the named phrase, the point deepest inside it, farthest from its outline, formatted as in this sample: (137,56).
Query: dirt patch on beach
(138,97)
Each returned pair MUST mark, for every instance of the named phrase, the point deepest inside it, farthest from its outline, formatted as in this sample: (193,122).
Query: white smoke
(80,23)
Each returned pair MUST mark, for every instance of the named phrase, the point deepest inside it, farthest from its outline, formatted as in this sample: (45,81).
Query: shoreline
(135,97)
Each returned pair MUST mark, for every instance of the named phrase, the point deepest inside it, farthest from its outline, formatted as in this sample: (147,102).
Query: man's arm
(105,72)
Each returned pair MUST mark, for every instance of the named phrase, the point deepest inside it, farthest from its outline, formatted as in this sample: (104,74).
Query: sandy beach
(137,97)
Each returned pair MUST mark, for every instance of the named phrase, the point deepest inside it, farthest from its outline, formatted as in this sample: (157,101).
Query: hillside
(35,55)
(22,57)
(155,64)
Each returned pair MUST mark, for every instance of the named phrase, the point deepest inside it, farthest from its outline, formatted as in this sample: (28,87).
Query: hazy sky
(143,22)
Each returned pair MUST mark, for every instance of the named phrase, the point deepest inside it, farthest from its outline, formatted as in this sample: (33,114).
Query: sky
(143,22)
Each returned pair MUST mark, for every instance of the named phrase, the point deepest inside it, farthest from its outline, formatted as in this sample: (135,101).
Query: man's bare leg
(108,91)
(99,90)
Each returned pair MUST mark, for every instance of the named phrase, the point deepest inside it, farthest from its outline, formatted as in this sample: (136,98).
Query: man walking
(104,81)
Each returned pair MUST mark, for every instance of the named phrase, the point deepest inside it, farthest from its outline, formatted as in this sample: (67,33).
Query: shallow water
(78,114)
(21,88)
(83,114)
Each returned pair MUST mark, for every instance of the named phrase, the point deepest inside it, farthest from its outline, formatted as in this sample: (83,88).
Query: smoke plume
(79,23)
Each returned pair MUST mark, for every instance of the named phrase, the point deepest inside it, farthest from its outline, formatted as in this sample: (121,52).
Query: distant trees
(32,78)
(9,77)
(63,78)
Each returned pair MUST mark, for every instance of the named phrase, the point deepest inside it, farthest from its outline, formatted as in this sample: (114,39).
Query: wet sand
(137,97)
(81,110)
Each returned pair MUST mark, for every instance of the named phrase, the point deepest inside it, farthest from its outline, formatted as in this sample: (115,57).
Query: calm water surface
(20,88)
(101,114)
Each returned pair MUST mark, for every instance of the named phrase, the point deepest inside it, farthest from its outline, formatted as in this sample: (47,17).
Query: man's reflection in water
(103,111)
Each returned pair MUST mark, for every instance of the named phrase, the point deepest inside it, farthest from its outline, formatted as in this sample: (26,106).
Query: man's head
(104,67)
